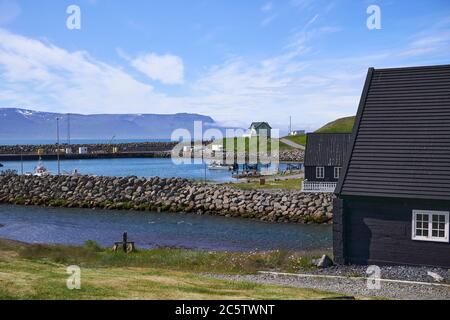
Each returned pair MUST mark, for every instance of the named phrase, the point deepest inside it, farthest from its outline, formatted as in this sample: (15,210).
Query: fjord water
(149,230)
(140,167)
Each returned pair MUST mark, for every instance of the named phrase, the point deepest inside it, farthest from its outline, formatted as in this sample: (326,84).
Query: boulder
(324,262)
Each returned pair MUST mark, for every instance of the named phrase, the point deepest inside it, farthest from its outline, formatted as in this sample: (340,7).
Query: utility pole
(290,125)
(57,145)
(68,129)
(21,160)
(204,162)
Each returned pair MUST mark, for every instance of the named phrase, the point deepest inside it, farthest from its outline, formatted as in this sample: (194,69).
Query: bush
(92,245)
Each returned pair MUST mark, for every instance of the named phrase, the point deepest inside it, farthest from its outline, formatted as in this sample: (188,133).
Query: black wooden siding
(326,149)
(378,231)
(310,174)
(401,141)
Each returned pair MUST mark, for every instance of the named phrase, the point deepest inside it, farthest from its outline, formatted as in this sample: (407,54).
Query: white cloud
(267,7)
(49,78)
(266,21)
(168,69)
(426,44)
(313,88)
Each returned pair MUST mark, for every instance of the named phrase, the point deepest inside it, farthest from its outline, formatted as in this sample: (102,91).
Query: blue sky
(237,61)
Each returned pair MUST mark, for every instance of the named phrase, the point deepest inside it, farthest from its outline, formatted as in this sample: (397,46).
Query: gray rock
(324,262)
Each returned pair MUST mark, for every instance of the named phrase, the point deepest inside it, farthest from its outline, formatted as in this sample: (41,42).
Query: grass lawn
(343,125)
(291,184)
(246,141)
(39,272)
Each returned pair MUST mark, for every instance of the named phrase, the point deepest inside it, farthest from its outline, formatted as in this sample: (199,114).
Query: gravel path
(292,144)
(358,287)
(419,274)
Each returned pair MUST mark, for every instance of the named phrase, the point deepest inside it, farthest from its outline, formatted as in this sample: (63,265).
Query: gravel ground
(358,287)
(419,274)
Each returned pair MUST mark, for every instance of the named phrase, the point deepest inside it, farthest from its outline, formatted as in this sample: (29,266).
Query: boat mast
(57,145)
(68,129)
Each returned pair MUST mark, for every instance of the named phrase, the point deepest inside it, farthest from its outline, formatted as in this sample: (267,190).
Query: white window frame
(430,237)
(337,172)
(320,170)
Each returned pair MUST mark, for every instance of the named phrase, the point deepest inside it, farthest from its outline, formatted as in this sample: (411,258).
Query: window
(430,225)
(320,172)
(337,172)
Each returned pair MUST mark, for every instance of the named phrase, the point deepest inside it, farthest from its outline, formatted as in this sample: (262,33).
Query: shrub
(92,245)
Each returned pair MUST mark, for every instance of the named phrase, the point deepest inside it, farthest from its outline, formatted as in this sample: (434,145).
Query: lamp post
(57,145)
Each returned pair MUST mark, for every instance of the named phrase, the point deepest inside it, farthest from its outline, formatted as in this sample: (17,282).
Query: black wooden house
(394,195)
(324,159)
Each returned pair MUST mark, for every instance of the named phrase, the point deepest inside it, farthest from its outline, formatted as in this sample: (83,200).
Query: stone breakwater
(93,148)
(165,195)
(160,149)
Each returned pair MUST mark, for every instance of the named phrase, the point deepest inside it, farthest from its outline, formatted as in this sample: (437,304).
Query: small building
(258,129)
(324,158)
(217,147)
(83,150)
(393,200)
(188,148)
(297,133)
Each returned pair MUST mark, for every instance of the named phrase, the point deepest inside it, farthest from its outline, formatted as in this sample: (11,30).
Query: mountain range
(16,123)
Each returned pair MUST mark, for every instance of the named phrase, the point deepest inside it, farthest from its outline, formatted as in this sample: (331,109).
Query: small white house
(217,147)
(198,148)
(83,150)
(187,149)
(297,132)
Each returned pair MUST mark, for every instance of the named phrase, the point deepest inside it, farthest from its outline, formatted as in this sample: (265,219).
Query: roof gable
(257,125)
(326,149)
(401,140)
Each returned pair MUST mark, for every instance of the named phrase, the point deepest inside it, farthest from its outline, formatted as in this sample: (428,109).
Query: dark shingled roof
(256,125)
(401,140)
(326,149)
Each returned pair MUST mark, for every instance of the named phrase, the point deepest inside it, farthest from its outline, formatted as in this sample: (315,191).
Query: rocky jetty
(93,148)
(292,156)
(170,195)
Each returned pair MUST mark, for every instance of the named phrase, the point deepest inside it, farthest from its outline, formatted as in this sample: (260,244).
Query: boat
(73,173)
(40,170)
(218,166)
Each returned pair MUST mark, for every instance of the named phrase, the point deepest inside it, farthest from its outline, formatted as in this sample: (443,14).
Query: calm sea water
(148,230)
(141,167)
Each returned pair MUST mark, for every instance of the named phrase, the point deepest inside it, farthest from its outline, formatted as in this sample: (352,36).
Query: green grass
(39,272)
(247,143)
(343,125)
(290,184)
(300,139)
(238,141)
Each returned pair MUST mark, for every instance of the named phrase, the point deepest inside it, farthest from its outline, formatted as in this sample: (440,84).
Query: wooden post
(124,241)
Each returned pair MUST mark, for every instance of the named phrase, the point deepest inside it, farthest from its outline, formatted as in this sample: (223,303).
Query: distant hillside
(343,125)
(33,125)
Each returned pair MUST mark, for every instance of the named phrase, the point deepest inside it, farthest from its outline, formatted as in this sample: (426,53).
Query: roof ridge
(438,66)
